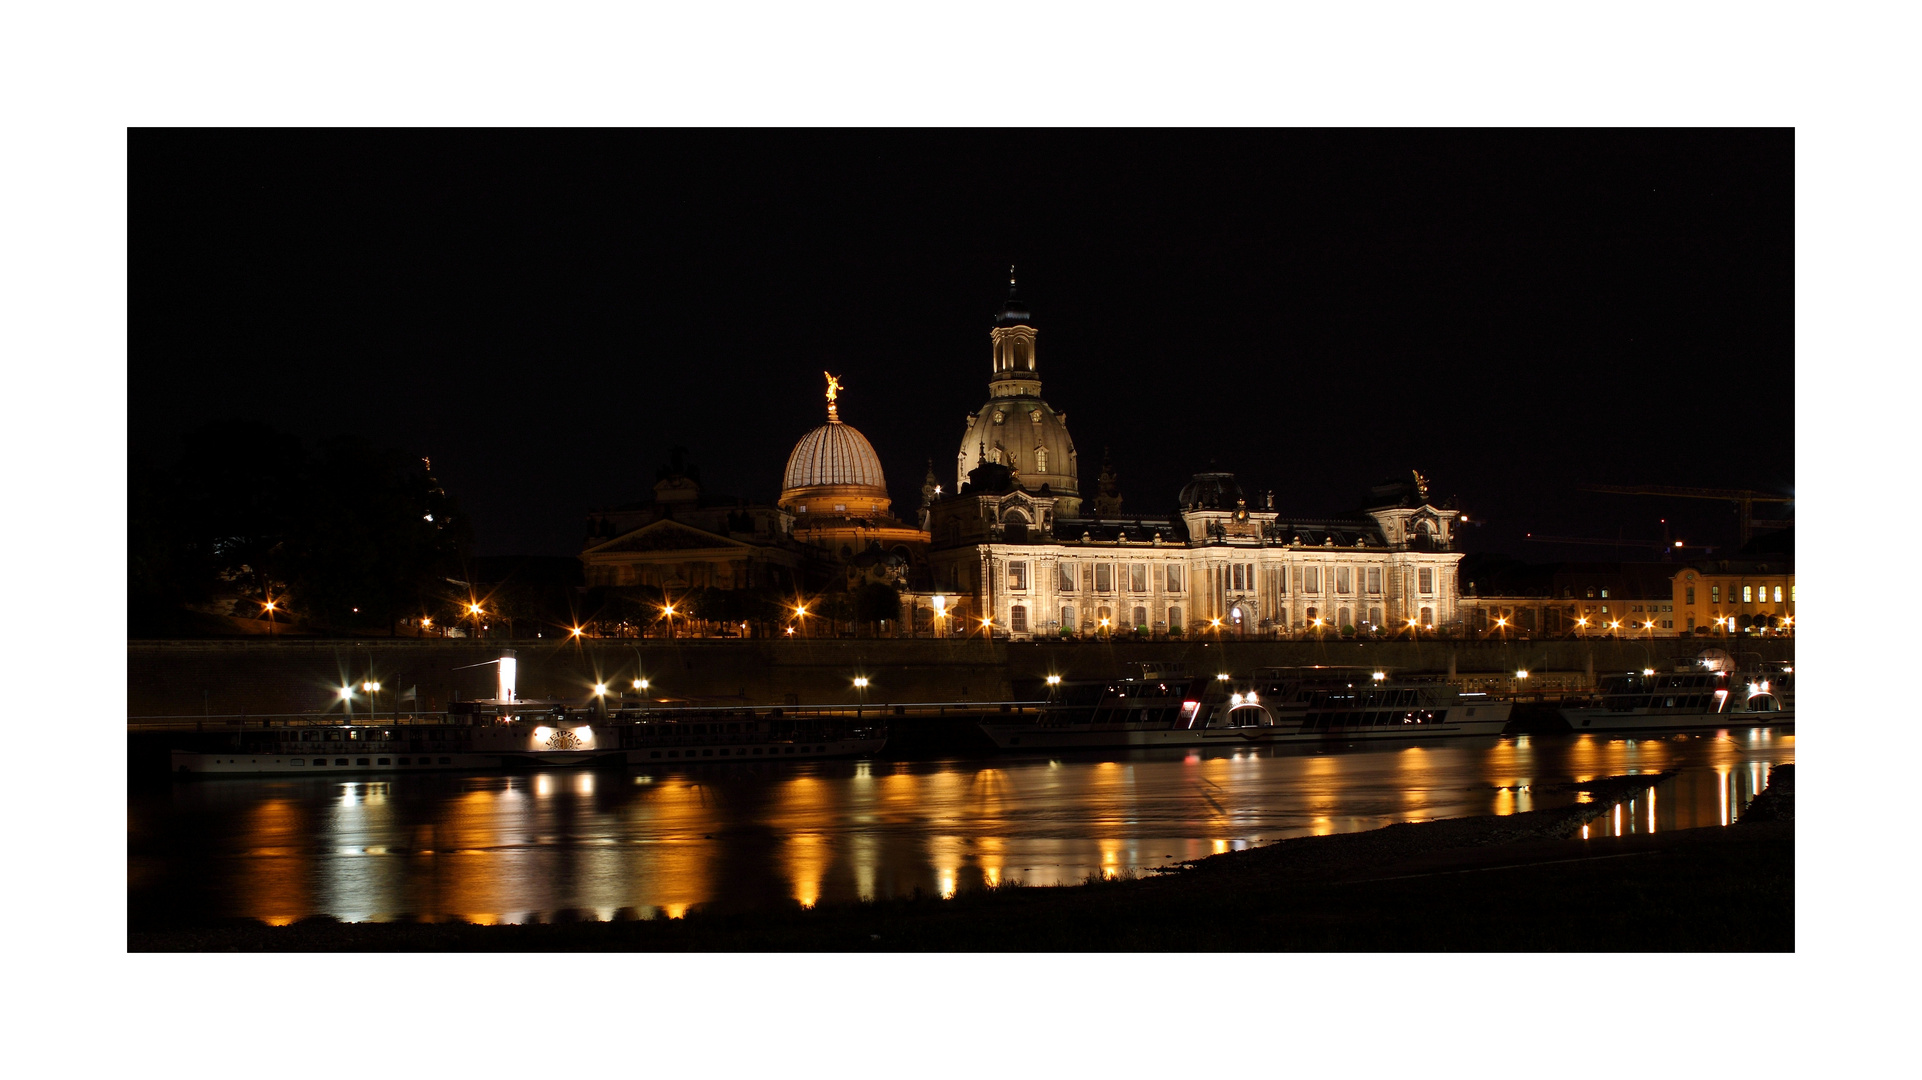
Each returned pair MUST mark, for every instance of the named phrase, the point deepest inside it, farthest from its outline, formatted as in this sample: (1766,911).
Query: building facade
(1013,552)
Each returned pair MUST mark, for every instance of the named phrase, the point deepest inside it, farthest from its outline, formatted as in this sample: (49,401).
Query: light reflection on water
(513,847)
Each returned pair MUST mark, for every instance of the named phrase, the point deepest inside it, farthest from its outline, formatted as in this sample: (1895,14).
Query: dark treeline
(344,536)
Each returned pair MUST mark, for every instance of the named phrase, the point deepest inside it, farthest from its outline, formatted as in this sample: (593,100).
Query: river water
(653,842)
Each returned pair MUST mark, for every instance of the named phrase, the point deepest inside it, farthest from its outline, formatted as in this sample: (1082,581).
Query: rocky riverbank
(1518,882)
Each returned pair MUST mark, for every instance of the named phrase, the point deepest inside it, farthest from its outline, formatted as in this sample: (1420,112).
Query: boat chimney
(506,667)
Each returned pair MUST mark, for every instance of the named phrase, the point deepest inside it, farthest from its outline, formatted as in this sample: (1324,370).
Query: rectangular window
(1174,579)
(1017,575)
(1791,594)
(1067,618)
(1714,594)
(1745,595)
(1778,594)
(1604,592)
(1428,579)
(1138,577)
(1018,618)
(1103,577)
(1311,579)
(1344,580)
(1690,597)
(1067,577)
(1238,585)
(1374,580)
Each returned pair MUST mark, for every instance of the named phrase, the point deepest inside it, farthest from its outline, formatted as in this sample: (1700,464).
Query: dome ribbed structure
(834,454)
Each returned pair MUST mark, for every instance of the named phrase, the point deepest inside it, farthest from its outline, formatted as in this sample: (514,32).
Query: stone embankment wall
(196,678)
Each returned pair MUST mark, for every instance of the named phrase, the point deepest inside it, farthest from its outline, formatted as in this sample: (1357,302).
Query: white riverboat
(540,735)
(1697,696)
(506,731)
(1168,706)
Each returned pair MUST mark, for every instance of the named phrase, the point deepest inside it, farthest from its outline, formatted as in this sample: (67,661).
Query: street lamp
(475,610)
(1580,625)
(667,612)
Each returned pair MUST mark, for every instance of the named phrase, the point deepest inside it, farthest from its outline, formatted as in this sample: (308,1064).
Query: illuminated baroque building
(1013,546)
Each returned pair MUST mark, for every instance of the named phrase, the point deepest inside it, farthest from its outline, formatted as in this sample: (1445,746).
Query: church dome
(834,454)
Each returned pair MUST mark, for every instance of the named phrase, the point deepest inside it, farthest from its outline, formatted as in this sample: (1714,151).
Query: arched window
(1344,617)
(1141,616)
(1427,617)
(1174,617)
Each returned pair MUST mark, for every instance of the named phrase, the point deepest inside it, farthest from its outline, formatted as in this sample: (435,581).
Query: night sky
(1514,313)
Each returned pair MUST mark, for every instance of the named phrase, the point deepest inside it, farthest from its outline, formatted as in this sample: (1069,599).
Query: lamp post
(474,609)
(270,607)
(801,618)
(667,612)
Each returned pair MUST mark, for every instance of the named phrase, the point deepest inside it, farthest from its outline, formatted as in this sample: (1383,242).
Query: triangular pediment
(668,535)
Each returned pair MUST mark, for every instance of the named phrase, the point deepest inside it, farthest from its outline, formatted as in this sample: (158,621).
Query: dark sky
(1514,313)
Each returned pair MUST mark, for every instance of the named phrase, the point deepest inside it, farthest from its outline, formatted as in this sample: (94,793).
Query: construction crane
(1743,499)
(1665,548)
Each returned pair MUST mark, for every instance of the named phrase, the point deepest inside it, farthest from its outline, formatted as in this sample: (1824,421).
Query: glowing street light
(600,689)
(1380,675)
(1521,673)
(861,682)
(1054,680)
(577,631)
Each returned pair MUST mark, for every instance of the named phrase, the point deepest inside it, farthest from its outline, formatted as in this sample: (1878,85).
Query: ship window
(654,754)
(787,750)
(300,761)
(444,761)
(384,761)
(757,750)
(405,761)
(707,753)
(340,761)
(360,761)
